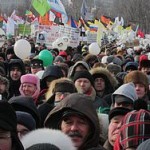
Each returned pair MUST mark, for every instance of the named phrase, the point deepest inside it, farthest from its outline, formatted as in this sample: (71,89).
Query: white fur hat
(47,138)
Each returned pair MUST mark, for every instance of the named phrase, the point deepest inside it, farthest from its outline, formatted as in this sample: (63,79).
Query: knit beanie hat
(137,77)
(144,145)
(114,68)
(135,129)
(65,86)
(43,146)
(33,79)
(83,74)
(26,119)
(131,65)
(45,139)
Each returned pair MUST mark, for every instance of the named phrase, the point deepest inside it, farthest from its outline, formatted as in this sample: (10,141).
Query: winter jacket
(82,104)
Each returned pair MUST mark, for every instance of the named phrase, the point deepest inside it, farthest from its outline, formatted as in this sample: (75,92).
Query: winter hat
(26,104)
(125,93)
(62,53)
(61,87)
(131,65)
(83,74)
(37,63)
(144,63)
(33,79)
(113,68)
(143,57)
(51,140)
(144,145)
(58,59)
(135,129)
(26,119)
(77,57)
(114,60)
(137,77)
(118,111)
(8,122)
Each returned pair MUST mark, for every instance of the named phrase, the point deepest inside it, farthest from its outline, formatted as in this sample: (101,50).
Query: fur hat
(135,129)
(51,140)
(137,77)
(33,79)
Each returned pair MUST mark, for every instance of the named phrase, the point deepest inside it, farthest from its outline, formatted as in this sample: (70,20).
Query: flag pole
(27,18)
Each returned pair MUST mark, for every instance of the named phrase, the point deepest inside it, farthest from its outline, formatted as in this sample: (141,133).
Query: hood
(102,71)
(72,71)
(82,104)
(52,71)
(17,62)
(127,90)
(26,104)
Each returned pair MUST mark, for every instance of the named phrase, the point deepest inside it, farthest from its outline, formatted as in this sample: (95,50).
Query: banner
(51,33)
(24,29)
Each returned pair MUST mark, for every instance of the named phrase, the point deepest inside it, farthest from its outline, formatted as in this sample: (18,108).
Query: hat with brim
(118,111)
(122,99)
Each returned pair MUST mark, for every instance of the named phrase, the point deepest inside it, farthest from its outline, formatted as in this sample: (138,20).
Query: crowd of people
(80,102)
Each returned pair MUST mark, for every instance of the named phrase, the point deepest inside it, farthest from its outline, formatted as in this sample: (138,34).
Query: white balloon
(61,45)
(94,48)
(22,48)
(40,74)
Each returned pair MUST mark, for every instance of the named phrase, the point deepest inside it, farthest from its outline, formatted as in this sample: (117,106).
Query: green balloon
(46,56)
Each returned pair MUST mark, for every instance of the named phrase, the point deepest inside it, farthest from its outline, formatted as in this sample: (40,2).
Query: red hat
(63,54)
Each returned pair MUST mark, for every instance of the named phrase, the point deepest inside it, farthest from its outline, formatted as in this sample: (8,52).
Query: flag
(84,9)
(44,20)
(41,6)
(72,23)
(106,20)
(57,6)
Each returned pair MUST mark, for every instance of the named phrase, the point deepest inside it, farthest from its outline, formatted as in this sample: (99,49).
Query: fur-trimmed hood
(99,70)
(48,136)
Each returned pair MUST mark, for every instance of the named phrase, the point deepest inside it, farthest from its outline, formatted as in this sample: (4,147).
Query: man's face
(2,87)
(28,89)
(113,128)
(34,70)
(77,128)
(145,70)
(124,105)
(83,85)
(15,73)
(99,84)
(5,140)
(22,130)
(140,90)
(60,96)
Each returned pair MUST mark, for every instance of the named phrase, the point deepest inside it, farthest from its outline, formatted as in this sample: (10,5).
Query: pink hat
(30,78)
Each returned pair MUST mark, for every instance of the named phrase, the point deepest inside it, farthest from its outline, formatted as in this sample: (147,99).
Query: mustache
(75,134)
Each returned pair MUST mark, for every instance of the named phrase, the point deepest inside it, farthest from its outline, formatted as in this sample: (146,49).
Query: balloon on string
(22,48)
(46,56)
(94,48)
(61,44)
